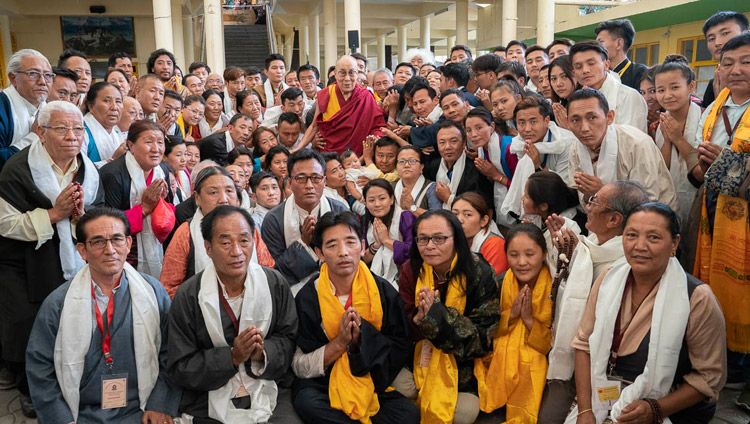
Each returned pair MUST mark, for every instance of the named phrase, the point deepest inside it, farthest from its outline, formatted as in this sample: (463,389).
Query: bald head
(346,74)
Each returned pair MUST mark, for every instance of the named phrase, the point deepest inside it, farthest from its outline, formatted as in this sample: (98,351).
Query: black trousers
(19,372)
(313,406)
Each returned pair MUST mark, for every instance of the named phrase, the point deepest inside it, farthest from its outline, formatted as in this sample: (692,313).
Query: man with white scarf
(592,255)
(651,345)
(106,329)
(44,189)
(288,228)
(275,70)
(30,76)
(605,151)
(232,331)
(591,69)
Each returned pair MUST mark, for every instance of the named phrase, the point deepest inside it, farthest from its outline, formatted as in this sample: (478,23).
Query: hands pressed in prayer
(561,115)
(172,84)
(426,299)
(380,231)
(318,142)
(308,227)
(245,345)
(154,417)
(638,412)
(532,152)
(406,200)
(587,184)
(70,197)
(166,121)
(257,347)
(349,327)
(277,98)
(670,128)
(442,191)
(707,154)
(522,307)
(152,194)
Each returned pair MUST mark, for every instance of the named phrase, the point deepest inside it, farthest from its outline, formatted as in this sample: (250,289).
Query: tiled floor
(727,412)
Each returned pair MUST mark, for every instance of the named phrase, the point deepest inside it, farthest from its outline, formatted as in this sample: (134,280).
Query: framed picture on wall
(98,36)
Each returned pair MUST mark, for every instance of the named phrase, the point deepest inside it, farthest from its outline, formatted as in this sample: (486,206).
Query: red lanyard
(348,302)
(730,130)
(228,309)
(106,338)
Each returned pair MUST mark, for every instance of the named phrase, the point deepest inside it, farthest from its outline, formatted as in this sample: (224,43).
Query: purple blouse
(401,248)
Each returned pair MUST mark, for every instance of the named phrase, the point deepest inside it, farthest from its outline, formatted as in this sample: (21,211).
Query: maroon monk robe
(358,117)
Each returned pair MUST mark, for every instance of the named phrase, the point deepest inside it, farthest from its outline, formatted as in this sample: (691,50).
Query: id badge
(114,391)
(607,394)
(426,354)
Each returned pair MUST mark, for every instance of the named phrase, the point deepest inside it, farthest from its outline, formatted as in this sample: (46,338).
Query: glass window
(654,56)
(700,88)
(641,54)
(702,54)
(687,50)
(706,72)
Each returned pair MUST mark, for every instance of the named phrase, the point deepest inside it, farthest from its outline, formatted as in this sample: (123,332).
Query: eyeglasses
(411,162)
(35,75)
(101,242)
(438,240)
(77,131)
(591,201)
(302,179)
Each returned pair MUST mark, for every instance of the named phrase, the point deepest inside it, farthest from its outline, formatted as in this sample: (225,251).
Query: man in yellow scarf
(353,338)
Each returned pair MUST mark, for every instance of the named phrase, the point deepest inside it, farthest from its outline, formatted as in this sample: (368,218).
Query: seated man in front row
(105,327)
(354,337)
(232,329)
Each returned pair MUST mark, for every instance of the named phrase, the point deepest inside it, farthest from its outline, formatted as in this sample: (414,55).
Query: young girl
(275,162)
(648,91)
(514,374)
(476,219)
(504,95)
(546,193)
(388,231)
(563,83)
(676,134)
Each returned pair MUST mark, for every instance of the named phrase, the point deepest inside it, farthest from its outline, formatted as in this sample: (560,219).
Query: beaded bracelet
(655,410)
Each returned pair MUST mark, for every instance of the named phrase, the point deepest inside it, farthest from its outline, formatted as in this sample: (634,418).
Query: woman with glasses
(482,234)
(513,375)
(186,254)
(101,141)
(193,111)
(650,333)
(452,303)
(388,229)
(137,184)
(413,192)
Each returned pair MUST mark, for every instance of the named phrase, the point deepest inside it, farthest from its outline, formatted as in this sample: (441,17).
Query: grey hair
(426,55)
(14,64)
(383,71)
(57,106)
(627,196)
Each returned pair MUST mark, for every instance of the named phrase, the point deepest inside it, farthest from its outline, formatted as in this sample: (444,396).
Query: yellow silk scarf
(333,103)
(724,260)
(437,382)
(355,396)
(514,374)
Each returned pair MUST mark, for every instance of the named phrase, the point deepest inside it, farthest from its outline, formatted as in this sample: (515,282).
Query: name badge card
(114,391)
(607,393)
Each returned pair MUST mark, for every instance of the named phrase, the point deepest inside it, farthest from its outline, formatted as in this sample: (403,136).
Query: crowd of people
(510,232)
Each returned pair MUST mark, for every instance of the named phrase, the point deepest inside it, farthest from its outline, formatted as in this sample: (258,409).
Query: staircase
(245,45)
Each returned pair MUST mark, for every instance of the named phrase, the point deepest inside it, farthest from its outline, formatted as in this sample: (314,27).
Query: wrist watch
(413,208)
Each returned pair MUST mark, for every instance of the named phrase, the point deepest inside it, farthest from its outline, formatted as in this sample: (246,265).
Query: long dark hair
(563,62)
(464,264)
(548,187)
(385,185)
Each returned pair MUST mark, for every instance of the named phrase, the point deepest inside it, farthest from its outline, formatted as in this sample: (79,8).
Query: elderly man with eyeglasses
(288,228)
(30,75)
(44,190)
(345,112)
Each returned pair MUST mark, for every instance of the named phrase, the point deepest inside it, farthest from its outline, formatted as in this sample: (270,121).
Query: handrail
(269,29)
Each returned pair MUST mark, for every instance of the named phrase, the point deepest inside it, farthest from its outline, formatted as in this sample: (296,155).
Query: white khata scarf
(606,166)
(150,251)
(46,181)
(270,96)
(668,326)
(292,224)
(76,326)
(106,142)
(458,172)
(382,263)
(257,309)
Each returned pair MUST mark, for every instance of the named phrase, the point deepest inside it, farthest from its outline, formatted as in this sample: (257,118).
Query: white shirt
(629,106)
(23,113)
(719,134)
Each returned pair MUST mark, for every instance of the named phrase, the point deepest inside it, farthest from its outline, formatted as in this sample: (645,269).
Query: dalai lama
(345,112)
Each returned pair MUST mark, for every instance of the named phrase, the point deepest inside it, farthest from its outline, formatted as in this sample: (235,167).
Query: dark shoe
(27,406)
(743,400)
(7,379)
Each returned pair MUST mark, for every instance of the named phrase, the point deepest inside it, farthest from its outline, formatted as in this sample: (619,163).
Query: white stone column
(163,24)
(424,32)
(177,37)
(314,39)
(545,22)
(214,35)
(189,41)
(364,49)
(462,22)
(329,34)
(289,49)
(510,21)
(7,46)
(352,22)
(451,41)
(304,42)
(381,51)
(402,42)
